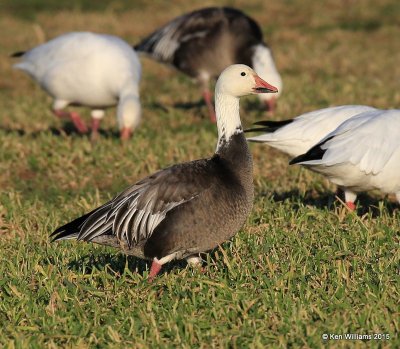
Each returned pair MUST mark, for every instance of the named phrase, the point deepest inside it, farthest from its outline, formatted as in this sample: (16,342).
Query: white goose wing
(40,59)
(367,141)
(306,130)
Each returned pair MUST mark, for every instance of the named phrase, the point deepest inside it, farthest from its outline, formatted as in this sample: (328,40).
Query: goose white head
(239,80)
(128,114)
(236,81)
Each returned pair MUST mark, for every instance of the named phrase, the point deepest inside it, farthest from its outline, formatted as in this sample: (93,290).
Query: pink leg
(78,122)
(349,198)
(61,113)
(270,105)
(75,118)
(154,270)
(95,129)
(351,205)
(207,95)
(126,133)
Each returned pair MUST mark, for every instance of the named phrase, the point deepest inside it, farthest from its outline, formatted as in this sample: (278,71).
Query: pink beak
(263,86)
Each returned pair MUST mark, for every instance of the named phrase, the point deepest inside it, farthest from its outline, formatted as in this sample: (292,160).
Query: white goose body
(187,208)
(362,154)
(93,70)
(295,137)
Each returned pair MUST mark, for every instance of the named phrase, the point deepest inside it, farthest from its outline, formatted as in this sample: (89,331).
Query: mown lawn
(301,267)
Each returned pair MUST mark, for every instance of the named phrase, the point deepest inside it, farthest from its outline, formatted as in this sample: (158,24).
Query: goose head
(239,80)
(128,115)
(234,82)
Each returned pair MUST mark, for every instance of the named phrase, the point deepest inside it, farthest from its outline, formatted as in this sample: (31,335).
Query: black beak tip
(264,90)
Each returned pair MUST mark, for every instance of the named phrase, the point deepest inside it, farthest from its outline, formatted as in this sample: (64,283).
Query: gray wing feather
(134,214)
(94,225)
(163,43)
(119,219)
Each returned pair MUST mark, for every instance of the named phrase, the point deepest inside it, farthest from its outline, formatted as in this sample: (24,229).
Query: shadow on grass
(327,200)
(112,263)
(68,129)
(309,198)
(190,105)
(116,264)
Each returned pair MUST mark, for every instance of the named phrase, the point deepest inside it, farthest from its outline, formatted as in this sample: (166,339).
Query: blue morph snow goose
(202,43)
(187,208)
(362,154)
(88,69)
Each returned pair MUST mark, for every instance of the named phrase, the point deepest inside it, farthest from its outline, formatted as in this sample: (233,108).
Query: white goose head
(129,114)
(236,81)
(239,80)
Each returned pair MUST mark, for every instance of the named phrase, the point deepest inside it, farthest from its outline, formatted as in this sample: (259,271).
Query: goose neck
(228,118)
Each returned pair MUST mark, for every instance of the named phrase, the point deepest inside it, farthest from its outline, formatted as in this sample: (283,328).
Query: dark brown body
(209,40)
(216,214)
(216,195)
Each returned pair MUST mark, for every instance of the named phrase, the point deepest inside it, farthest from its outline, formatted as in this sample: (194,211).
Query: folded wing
(135,213)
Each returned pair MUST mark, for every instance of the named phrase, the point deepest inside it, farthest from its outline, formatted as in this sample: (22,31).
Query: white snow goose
(296,136)
(93,70)
(187,208)
(203,43)
(362,154)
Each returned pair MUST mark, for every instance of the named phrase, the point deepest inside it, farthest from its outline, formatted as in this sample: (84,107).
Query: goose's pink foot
(61,113)
(207,95)
(78,122)
(95,129)
(351,205)
(270,105)
(126,133)
(154,270)
(75,118)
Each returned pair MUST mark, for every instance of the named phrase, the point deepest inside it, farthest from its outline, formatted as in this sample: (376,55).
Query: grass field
(302,265)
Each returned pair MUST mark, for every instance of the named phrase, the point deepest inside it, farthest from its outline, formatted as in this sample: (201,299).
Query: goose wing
(367,141)
(135,213)
(308,128)
(163,43)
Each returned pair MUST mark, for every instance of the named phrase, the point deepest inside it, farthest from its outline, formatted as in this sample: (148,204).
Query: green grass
(300,267)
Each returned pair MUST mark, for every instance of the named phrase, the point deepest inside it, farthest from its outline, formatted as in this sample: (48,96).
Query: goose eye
(242,73)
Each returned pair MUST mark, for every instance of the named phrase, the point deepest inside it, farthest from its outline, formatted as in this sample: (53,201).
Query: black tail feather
(274,124)
(258,129)
(269,126)
(70,228)
(141,47)
(18,54)
(315,153)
